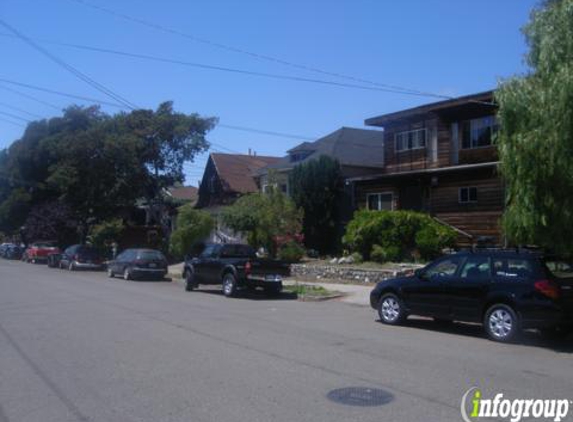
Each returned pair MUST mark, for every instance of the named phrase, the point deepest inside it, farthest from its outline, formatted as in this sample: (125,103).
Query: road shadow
(527,338)
(257,295)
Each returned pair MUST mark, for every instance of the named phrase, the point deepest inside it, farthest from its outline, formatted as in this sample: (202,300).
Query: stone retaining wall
(350,274)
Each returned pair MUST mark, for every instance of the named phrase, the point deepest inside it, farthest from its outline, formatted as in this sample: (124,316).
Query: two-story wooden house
(439,158)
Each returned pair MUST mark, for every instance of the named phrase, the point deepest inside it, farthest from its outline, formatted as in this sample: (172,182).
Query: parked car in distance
(234,266)
(4,247)
(80,257)
(132,264)
(505,290)
(39,251)
(13,252)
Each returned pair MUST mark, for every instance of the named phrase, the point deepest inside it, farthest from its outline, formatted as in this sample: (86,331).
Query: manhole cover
(360,396)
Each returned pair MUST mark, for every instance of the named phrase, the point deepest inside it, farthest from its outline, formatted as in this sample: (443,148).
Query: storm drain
(360,396)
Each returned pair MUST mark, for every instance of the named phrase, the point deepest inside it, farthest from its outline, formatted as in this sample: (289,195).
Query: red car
(39,251)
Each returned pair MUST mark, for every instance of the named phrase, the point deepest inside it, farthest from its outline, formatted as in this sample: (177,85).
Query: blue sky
(447,47)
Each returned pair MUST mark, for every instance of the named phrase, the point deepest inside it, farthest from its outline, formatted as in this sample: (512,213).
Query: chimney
(249,152)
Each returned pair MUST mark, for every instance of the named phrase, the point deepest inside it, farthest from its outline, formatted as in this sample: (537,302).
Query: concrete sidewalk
(353,293)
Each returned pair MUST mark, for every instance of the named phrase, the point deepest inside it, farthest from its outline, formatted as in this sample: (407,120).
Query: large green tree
(315,186)
(97,164)
(536,137)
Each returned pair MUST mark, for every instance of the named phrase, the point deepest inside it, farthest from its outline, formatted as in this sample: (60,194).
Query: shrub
(104,234)
(398,235)
(385,254)
(193,226)
(357,257)
(291,251)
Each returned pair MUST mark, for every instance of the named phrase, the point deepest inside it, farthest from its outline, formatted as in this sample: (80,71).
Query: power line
(14,116)
(15,91)
(20,110)
(63,94)
(266,132)
(237,71)
(253,54)
(9,121)
(68,67)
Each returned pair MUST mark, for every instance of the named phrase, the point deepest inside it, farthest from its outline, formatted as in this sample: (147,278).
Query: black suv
(504,290)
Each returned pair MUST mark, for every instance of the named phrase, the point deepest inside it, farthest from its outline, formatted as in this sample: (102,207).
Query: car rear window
(512,268)
(150,255)
(559,268)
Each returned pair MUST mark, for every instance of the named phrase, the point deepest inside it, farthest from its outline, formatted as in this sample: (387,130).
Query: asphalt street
(79,346)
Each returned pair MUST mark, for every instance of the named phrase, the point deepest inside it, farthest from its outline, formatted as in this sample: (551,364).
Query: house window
(410,139)
(380,201)
(478,133)
(467,195)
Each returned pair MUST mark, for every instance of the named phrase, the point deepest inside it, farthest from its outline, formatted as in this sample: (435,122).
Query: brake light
(248,268)
(548,288)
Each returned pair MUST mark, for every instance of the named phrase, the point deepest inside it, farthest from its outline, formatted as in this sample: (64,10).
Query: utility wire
(78,74)
(14,116)
(20,110)
(253,54)
(9,121)
(237,71)
(63,94)
(15,91)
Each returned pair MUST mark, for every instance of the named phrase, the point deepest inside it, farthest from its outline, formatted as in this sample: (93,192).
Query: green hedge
(397,235)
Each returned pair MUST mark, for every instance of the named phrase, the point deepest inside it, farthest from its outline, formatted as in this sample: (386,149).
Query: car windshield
(559,268)
(150,255)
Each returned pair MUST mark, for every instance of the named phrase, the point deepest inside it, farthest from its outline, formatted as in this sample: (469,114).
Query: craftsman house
(439,158)
(228,176)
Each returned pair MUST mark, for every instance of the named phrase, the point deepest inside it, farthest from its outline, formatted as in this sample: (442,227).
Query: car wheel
(190,283)
(391,309)
(110,273)
(127,274)
(501,323)
(229,285)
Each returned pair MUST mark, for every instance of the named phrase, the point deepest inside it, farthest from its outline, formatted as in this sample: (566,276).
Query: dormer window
(410,139)
(299,156)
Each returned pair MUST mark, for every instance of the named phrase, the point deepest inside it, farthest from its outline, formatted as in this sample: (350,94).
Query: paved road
(82,347)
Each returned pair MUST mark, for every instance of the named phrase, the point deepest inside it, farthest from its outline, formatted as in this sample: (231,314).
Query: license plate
(152,265)
(272,278)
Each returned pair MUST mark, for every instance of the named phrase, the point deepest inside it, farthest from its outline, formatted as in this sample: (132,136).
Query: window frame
(469,200)
(410,147)
(379,194)
(473,143)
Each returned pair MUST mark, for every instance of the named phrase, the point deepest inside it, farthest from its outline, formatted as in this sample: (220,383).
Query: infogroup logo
(474,407)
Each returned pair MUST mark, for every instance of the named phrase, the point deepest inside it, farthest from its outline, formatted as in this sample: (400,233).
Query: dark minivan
(134,264)
(506,291)
(80,257)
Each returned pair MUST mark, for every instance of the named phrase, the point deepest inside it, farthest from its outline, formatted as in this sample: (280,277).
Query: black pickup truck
(235,267)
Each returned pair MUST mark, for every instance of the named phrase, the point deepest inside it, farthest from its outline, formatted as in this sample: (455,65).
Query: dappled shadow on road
(528,338)
(248,294)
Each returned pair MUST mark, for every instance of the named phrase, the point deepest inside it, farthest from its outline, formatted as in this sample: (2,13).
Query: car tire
(110,273)
(127,274)
(391,309)
(190,283)
(501,323)
(229,285)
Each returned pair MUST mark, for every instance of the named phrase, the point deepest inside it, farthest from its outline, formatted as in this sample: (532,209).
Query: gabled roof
(236,171)
(479,100)
(184,193)
(350,146)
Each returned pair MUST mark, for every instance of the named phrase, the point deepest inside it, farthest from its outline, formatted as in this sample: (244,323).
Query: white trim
(378,194)
(425,130)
